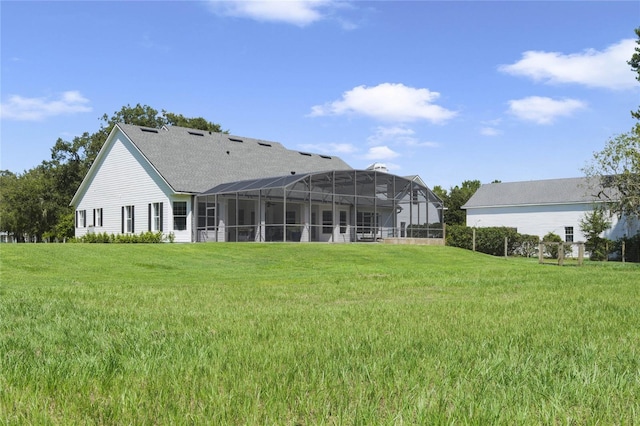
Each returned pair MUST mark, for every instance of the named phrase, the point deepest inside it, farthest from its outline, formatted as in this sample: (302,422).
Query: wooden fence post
(580,253)
(474,239)
(506,247)
(560,254)
(540,253)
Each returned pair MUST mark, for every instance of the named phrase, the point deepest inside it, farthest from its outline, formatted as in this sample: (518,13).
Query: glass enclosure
(335,206)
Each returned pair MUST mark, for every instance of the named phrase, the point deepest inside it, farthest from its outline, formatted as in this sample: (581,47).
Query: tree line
(35,204)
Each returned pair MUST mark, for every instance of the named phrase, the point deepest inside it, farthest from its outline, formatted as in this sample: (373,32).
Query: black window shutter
(123,219)
(94,217)
(149,217)
(133,220)
(161,218)
(77,219)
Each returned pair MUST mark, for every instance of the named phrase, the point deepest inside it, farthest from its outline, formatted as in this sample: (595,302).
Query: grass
(313,334)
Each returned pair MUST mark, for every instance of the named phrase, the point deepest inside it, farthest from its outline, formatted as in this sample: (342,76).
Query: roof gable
(536,192)
(194,160)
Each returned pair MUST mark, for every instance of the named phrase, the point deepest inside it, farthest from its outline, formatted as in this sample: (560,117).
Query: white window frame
(97,217)
(82,219)
(129,218)
(180,216)
(569,234)
(155,217)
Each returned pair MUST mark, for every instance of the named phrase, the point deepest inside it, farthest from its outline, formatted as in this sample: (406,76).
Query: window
(327,222)
(128,219)
(97,217)
(343,222)
(155,217)
(81,219)
(206,215)
(179,215)
(568,234)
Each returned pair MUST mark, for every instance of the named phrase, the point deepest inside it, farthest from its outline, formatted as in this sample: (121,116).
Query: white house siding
(123,177)
(538,220)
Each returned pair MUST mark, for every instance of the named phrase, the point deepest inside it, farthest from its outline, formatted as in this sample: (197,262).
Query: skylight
(305,153)
(196,134)
(264,144)
(236,140)
(326,157)
(144,129)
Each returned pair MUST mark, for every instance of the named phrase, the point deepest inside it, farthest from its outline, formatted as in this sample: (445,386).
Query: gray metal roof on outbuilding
(195,161)
(536,192)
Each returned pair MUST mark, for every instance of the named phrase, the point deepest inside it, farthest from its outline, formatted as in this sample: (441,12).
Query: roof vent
(326,157)
(236,140)
(305,153)
(144,129)
(196,133)
(264,144)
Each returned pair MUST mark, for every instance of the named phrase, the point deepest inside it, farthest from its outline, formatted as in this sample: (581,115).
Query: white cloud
(397,135)
(384,134)
(342,148)
(296,12)
(34,109)
(387,102)
(331,148)
(380,153)
(607,68)
(489,131)
(543,110)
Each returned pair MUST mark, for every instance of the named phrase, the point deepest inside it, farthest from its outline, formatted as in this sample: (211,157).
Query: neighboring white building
(542,206)
(204,186)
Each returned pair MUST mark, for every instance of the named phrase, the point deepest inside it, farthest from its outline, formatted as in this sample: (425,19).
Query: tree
(192,123)
(457,197)
(635,66)
(617,169)
(36,203)
(592,226)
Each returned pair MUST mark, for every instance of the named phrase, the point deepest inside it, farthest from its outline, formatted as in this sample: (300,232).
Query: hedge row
(144,238)
(491,240)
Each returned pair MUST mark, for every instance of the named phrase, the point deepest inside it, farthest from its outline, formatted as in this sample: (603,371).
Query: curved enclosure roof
(359,183)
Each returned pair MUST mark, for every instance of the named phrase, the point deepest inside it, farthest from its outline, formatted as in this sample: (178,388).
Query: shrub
(526,245)
(491,240)
(551,250)
(632,248)
(145,237)
(459,236)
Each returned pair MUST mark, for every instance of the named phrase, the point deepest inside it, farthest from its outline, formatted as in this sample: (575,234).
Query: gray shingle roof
(195,161)
(535,192)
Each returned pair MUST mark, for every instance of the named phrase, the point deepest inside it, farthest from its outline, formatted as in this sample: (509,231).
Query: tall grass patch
(312,334)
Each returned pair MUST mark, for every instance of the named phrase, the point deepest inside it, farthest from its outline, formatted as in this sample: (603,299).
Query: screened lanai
(333,206)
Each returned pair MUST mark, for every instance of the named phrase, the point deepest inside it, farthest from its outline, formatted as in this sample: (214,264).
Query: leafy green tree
(592,226)
(458,196)
(617,169)
(635,67)
(192,123)
(36,203)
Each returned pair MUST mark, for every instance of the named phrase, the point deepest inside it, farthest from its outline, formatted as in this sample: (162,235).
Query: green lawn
(313,334)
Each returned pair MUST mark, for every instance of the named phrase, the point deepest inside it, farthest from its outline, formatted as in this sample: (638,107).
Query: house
(203,186)
(541,206)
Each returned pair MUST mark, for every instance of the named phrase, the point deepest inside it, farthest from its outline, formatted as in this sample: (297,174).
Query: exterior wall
(124,178)
(540,220)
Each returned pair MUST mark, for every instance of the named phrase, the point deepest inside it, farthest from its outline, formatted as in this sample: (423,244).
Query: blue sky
(451,91)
